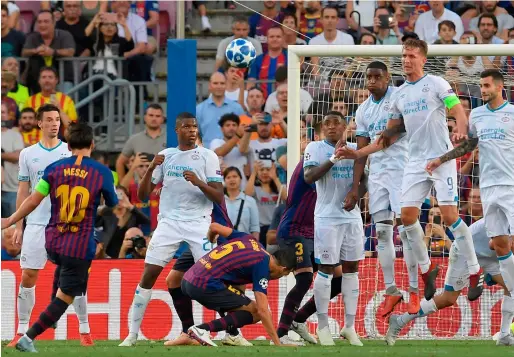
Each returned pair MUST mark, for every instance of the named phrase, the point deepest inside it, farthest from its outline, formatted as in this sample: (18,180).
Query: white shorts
(417,183)
(498,204)
(170,233)
(385,190)
(33,251)
(333,243)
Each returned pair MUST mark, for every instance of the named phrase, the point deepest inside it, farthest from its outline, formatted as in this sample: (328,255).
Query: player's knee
(408,217)
(501,245)
(327,269)
(384,217)
(303,282)
(174,279)
(350,267)
(253,309)
(29,277)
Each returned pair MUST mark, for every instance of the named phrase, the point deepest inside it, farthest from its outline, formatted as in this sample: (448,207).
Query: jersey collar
(326,142)
(417,80)
(50,149)
(500,107)
(381,99)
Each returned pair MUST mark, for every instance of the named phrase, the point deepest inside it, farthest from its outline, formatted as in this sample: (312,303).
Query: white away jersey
(422,106)
(33,162)
(481,240)
(495,132)
(371,119)
(181,200)
(334,186)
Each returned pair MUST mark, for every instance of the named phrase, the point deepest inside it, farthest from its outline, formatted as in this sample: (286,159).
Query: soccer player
(191,179)
(384,185)
(213,279)
(75,185)
(338,226)
(491,127)
(457,278)
(419,108)
(33,161)
(296,230)
(182,302)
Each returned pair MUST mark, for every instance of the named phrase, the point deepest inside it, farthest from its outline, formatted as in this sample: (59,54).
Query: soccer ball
(240,53)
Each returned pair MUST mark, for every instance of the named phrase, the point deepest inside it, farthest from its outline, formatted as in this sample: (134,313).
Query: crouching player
(213,279)
(457,278)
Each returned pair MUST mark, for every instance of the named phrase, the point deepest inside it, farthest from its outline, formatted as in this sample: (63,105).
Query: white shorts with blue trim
(33,251)
(498,203)
(385,189)
(417,183)
(336,243)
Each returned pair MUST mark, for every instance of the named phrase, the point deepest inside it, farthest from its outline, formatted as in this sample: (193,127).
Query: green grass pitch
(450,348)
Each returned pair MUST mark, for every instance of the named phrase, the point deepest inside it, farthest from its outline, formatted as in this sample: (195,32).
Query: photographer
(134,245)
(386,28)
(436,238)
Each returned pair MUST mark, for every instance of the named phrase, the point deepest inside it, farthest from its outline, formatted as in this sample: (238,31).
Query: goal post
(479,319)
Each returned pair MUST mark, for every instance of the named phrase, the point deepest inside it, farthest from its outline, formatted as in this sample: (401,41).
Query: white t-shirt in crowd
(426,25)
(266,152)
(305,102)
(233,158)
(234,95)
(341,39)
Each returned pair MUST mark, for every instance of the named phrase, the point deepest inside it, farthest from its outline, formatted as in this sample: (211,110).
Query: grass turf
(373,348)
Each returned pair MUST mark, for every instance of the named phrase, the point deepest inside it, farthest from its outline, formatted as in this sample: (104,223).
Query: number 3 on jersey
(73,203)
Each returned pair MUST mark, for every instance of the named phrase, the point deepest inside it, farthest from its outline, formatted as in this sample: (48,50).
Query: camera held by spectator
(134,245)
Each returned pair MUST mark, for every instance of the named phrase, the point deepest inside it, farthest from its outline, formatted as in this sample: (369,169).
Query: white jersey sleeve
(310,156)
(362,127)
(23,172)
(157,174)
(212,166)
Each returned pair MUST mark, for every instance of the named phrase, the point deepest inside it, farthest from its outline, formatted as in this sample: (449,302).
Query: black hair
(47,11)
(447,23)
(4,7)
(183,116)
(27,110)
(367,34)
(488,16)
(156,106)
(409,35)
(377,65)
(329,7)
(45,108)
(97,155)
(288,14)
(79,136)
(382,8)
(257,88)
(335,113)
(281,74)
(100,45)
(286,257)
(48,68)
(227,171)
(228,117)
(497,76)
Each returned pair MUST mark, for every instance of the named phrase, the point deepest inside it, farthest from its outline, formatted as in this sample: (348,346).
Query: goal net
(338,83)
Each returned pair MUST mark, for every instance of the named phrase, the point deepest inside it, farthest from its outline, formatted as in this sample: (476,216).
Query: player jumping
(419,108)
(33,161)
(338,227)
(384,185)
(191,180)
(491,127)
(457,278)
(214,278)
(75,185)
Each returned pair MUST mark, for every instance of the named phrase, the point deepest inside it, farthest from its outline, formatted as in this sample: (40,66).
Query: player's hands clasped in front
(157,160)
(191,177)
(433,165)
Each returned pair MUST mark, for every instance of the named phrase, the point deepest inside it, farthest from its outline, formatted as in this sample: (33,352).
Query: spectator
(488,27)
(103,158)
(466,104)
(272,102)
(152,140)
(504,20)
(271,235)
(267,190)
(265,146)
(12,144)
(426,25)
(28,127)
(362,14)
(43,47)
(330,35)
(149,11)
(387,33)
(470,65)
(309,14)
(436,238)
(202,11)
(290,27)
(265,65)
(209,112)
(240,29)
(472,210)
(10,250)
(76,24)
(48,80)
(511,34)
(242,209)
(12,40)
(255,101)
(116,221)
(90,8)
(235,89)
(14,14)
(367,39)
(18,92)
(446,32)
(341,107)
(134,244)
(228,148)
(260,24)
(8,80)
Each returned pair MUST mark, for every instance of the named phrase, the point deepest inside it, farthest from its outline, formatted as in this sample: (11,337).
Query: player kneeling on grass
(457,278)
(213,279)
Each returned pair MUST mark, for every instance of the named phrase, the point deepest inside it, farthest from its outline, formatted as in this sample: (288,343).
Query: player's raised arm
(41,191)
(152,177)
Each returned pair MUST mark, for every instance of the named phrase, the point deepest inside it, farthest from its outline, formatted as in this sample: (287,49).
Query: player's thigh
(491,267)
(496,211)
(457,274)
(184,262)
(416,185)
(446,184)
(304,250)
(327,243)
(505,196)
(378,194)
(33,252)
(352,248)
(74,275)
(227,299)
(194,234)
(165,242)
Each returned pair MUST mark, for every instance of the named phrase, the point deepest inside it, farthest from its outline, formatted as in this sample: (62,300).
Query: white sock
(322,287)
(386,253)
(410,259)
(80,305)
(139,304)
(426,308)
(350,291)
(205,22)
(507,315)
(465,245)
(507,270)
(26,302)
(415,235)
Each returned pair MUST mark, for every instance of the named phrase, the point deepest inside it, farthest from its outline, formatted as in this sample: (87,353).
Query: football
(240,53)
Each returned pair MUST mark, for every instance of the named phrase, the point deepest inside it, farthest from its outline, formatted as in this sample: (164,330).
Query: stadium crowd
(244,119)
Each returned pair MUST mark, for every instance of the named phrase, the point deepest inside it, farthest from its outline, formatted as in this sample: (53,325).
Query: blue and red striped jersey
(75,185)
(264,68)
(298,218)
(238,262)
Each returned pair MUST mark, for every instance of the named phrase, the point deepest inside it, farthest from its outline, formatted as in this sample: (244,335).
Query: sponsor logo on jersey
(195,156)
(34,160)
(263,283)
(505,119)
